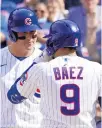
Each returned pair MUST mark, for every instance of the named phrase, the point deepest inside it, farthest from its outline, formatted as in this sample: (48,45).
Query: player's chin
(29,46)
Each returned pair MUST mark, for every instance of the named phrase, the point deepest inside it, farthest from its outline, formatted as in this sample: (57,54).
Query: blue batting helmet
(21,20)
(63,33)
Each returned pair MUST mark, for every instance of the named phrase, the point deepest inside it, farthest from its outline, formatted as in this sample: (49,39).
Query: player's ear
(50,49)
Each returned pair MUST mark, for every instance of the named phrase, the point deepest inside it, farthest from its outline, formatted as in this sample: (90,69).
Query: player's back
(69,93)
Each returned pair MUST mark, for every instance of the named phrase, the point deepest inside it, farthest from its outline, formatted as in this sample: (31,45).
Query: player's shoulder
(39,67)
(46,65)
(4,51)
(37,50)
(42,65)
(94,64)
(43,57)
(89,62)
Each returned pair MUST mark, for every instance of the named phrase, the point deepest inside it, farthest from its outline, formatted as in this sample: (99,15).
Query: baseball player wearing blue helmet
(21,20)
(63,31)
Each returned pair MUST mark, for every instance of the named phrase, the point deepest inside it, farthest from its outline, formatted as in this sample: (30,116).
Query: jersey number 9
(68,100)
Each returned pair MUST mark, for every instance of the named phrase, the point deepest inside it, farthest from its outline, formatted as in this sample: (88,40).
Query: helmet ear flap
(13,35)
(50,49)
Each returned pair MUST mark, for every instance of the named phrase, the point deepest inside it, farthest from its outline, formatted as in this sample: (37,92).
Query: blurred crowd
(86,13)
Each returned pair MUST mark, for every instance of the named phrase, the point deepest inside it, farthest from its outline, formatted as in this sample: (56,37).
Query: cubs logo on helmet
(22,20)
(28,21)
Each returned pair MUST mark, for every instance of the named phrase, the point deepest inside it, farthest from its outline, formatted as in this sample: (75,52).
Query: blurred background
(86,13)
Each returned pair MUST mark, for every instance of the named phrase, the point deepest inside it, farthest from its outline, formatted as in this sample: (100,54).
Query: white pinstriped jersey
(25,114)
(70,87)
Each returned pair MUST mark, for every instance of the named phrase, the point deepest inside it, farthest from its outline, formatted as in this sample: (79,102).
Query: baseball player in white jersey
(24,34)
(70,85)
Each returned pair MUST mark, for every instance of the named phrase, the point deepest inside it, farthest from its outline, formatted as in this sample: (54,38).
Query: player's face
(30,39)
(90,4)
